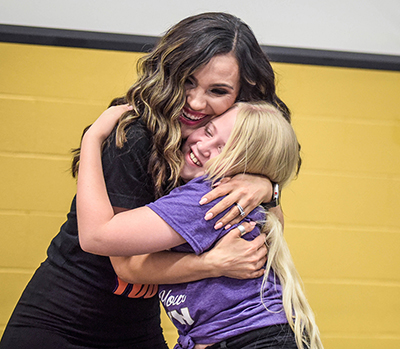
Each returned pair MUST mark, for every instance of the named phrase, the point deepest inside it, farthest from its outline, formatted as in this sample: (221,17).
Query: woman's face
(210,91)
(206,143)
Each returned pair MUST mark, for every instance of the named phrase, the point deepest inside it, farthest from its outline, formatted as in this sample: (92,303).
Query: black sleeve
(126,170)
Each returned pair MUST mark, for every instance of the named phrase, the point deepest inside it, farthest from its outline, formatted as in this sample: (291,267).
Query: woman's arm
(246,189)
(232,257)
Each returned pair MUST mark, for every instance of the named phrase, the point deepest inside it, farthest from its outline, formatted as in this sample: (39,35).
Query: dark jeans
(272,337)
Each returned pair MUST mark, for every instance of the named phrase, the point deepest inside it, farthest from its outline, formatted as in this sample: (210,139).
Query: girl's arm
(126,233)
(239,258)
(231,257)
(100,231)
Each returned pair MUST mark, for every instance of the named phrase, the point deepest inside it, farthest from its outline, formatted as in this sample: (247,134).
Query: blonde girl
(270,310)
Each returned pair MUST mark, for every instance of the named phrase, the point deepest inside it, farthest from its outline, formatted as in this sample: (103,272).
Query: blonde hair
(263,142)
(298,312)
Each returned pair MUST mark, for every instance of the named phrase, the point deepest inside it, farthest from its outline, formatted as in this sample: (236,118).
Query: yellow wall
(342,213)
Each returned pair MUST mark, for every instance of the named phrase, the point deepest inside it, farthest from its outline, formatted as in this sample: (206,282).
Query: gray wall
(368,26)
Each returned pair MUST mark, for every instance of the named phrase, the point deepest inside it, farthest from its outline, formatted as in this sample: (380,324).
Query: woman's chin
(188,127)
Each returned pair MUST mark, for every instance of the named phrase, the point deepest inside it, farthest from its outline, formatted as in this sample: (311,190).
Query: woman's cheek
(186,131)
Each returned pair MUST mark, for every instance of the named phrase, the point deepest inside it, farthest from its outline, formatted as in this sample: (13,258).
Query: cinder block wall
(342,213)
(342,220)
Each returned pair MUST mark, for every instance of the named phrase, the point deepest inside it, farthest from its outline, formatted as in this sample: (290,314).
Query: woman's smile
(210,91)
(191,117)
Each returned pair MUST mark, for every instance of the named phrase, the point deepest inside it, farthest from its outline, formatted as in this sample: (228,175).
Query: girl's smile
(206,143)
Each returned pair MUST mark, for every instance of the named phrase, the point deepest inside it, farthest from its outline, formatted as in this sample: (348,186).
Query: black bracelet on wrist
(275,197)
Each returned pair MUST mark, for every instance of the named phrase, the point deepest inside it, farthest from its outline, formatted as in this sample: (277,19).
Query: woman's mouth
(190,118)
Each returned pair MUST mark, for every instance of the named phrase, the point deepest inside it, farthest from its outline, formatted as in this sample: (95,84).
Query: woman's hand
(237,258)
(106,122)
(247,190)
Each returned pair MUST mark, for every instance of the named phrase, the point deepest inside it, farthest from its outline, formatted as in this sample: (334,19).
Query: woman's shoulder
(137,131)
(138,137)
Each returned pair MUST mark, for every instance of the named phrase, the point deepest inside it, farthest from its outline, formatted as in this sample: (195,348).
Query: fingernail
(218,225)
(203,201)
(227,226)
(208,216)
(252,223)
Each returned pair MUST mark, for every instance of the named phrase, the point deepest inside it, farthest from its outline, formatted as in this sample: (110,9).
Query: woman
(250,137)
(75,298)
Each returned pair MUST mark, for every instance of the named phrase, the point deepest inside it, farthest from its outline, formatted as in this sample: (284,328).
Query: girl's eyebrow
(212,125)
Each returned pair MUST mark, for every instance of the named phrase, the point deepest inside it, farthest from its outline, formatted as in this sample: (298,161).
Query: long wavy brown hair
(158,96)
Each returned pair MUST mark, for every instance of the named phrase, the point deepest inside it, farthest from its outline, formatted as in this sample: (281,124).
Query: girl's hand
(247,190)
(237,258)
(106,122)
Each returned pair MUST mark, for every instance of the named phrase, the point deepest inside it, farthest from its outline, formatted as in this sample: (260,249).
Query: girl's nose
(207,148)
(195,99)
(204,149)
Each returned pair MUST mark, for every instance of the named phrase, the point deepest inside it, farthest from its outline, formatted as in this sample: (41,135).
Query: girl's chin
(188,178)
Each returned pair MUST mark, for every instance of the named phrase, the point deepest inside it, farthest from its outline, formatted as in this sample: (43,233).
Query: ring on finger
(241,229)
(241,210)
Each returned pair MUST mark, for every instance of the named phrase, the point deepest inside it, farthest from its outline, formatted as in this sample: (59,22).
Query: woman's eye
(189,82)
(219,91)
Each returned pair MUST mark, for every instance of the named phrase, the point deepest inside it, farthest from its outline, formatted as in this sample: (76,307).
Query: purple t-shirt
(212,310)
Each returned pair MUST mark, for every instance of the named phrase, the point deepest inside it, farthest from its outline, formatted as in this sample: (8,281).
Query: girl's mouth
(195,160)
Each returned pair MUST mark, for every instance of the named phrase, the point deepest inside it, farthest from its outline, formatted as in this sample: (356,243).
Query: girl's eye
(208,132)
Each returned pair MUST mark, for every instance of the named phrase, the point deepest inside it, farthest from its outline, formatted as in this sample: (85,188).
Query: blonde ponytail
(298,312)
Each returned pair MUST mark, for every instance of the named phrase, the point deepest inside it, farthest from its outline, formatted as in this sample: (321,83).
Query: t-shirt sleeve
(181,210)
(125,170)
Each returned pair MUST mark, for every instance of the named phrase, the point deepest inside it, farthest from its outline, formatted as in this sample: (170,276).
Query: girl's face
(210,91)
(206,143)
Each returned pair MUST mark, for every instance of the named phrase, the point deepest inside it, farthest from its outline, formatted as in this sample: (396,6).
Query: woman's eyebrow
(217,84)
(223,85)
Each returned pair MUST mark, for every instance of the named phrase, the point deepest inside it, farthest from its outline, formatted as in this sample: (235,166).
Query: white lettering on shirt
(183,318)
(168,300)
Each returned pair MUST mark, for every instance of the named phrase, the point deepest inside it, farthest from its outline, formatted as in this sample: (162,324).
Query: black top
(78,295)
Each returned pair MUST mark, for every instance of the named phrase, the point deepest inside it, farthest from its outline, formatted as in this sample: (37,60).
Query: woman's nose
(195,99)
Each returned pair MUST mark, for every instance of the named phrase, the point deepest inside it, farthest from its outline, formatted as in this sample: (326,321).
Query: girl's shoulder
(197,186)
